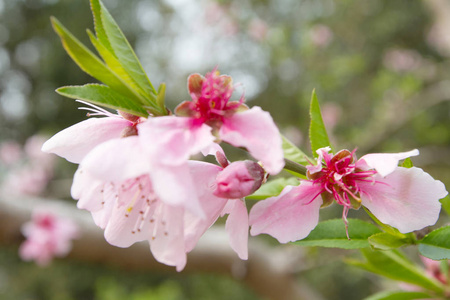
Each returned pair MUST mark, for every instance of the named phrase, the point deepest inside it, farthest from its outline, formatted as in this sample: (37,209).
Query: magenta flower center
(211,103)
(339,179)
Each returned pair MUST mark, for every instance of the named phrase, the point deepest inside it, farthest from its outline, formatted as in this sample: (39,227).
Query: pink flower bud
(239,179)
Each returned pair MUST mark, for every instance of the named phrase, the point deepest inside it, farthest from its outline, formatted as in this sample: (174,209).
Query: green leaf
(113,38)
(398,295)
(98,23)
(332,234)
(386,241)
(103,95)
(407,163)
(161,96)
(446,204)
(436,244)
(389,229)
(394,265)
(113,63)
(92,65)
(293,153)
(317,132)
(273,188)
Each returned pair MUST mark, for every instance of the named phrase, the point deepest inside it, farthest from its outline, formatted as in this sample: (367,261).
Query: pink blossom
(403,198)
(74,142)
(130,210)
(47,236)
(232,121)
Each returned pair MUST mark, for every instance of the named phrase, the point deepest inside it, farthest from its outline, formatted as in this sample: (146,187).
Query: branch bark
(268,271)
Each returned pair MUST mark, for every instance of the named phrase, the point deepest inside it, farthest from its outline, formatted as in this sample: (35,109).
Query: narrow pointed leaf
(121,48)
(332,234)
(273,188)
(317,132)
(293,153)
(112,61)
(91,63)
(394,265)
(399,295)
(98,23)
(386,241)
(161,96)
(104,96)
(436,244)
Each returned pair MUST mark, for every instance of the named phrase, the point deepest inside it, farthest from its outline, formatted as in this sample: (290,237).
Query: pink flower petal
(406,199)
(321,153)
(203,175)
(384,163)
(255,130)
(117,160)
(174,186)
(173,140)
(167,243)
(74,142)
(290,216)
(237,228)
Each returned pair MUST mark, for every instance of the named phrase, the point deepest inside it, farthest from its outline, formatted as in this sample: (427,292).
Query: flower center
(339,179)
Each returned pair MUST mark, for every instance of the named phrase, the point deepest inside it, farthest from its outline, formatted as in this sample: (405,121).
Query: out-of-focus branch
(394,118)
(268,272)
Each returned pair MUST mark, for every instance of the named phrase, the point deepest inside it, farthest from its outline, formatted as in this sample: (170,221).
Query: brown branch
(268,271)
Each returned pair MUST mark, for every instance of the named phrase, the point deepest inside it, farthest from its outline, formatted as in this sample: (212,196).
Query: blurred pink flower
(321,35)
(257,29)
(47,236)
(10,152)
(402,60)
(29,170)
(404,198)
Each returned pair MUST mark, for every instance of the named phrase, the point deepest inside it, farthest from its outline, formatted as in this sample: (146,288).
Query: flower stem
(295,167)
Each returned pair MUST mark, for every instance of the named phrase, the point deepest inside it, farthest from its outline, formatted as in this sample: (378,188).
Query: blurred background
(381,71)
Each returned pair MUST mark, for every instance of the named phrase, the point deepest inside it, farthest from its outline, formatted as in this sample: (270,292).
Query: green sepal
(103,95)
(436,244)
(317,132)
(331,233)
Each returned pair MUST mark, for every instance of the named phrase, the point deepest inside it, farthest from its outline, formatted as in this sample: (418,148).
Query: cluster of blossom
(47,235)
(27,170)
(137,178)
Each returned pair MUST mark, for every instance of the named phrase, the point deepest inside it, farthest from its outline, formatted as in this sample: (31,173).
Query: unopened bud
(239,179)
